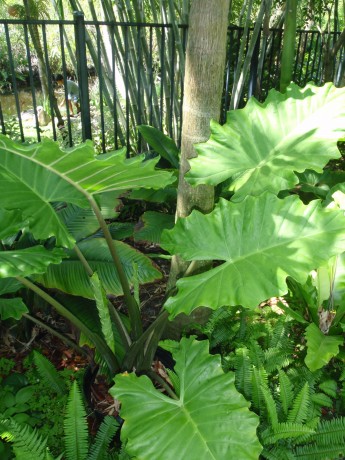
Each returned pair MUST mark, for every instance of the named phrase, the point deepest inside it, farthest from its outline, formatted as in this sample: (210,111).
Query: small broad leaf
(25,262)
(12,308)
(11,222)
(151,225)
(9,285)
(321,348)
(209,420)
(161,143)
(261,146)
(261,240)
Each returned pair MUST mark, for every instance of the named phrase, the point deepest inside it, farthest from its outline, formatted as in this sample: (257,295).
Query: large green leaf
(261,239)
(209,420)
(71,277)
(26,262)
(321,347)
(31,177)
(261,146)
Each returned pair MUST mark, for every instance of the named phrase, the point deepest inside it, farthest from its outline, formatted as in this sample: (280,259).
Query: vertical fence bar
(162,70)
(113,53)
(316,48)
(138,44)
(100,82)
(2,122)
(172,83)
(297,55)
(79,30)
(127,90)
(49,74)
(63,61)
(151,88)
(32,85)
(14,81)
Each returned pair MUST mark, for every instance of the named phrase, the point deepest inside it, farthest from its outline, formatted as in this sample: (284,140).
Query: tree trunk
(203,86)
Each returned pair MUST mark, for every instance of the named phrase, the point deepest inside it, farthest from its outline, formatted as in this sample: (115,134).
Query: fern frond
(256,354)
(243,370)
(259,379)
(271,407)
(27,443)
(329,387)
(75,426)
(317,452)
(48,373)
(284,431)
(330,432)
(321,400)
(299,410)
(285,391)
(278,453)
(103,438)
(276,358)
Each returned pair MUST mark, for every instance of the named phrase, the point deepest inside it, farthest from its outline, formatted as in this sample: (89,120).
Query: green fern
(243,371)
(278,453)
(317,452)
(271,407)
(284,431)
(286,394)
(299,410)
(258,380)
(48,373)
(27,443)
(103,438)
(75,426)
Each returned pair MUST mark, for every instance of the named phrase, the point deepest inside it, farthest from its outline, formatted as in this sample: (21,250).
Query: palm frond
(75,426)
(103,438)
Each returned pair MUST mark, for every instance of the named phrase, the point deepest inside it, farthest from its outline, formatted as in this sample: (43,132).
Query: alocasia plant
(261,240)
(261,146)
(207,419)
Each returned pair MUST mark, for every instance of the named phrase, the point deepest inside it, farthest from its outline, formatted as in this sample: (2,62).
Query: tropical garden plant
(259,234)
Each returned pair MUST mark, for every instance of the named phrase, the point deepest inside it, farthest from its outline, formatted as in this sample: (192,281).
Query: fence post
(80,43)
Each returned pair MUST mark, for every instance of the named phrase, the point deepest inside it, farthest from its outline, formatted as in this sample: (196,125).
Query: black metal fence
(128,74)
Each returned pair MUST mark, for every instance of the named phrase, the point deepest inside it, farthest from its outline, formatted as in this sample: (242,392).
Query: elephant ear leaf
(321,347)
(259,147)
(32,177)
(203,422)
(261,240)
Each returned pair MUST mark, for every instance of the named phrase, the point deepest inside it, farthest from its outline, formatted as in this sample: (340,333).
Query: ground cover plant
(264,241)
